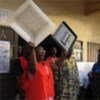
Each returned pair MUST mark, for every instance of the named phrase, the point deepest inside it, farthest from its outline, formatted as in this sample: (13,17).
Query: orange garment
(50,80)
(41,86)
(24,76)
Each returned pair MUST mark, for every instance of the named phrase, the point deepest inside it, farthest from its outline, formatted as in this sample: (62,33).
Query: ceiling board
(92,6)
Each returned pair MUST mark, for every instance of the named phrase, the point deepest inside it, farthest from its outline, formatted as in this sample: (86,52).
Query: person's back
(95,78)
(96,66)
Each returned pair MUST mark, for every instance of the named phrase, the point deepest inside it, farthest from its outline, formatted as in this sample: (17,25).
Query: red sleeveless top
(24,75)
(41,86)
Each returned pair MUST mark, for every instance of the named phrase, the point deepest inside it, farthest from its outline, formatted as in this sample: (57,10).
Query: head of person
(40,53)
(28,49)
(53,51)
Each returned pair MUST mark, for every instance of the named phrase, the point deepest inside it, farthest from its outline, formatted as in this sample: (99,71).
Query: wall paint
(87,27)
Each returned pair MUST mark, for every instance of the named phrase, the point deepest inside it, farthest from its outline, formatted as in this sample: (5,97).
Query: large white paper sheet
(31,23)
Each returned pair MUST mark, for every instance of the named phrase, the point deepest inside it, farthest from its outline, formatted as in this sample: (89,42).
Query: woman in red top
(37,77)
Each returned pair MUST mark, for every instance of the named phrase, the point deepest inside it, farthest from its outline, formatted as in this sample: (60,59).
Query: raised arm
(32,58)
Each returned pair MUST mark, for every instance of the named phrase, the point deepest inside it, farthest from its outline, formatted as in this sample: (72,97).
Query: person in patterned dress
(68,78)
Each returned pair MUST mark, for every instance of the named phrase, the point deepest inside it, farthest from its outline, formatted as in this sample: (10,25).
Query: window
(78,48)
(92,49)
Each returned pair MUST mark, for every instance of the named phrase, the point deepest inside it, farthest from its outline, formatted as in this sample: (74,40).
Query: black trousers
(82,93)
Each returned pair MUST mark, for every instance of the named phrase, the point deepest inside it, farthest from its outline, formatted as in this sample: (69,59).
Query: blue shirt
(96,67)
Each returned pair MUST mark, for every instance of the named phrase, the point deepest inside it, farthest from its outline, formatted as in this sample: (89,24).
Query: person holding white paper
(37,77)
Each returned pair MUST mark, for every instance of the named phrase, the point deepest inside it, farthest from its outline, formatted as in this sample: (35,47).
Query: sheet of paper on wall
(65,36)
(4,57)
(31,23)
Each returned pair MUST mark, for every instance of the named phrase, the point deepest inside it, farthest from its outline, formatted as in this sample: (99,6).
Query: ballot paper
(65,36)
(31,23)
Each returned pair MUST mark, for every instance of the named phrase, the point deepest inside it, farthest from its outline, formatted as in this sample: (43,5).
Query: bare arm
(54,67)
(32,62)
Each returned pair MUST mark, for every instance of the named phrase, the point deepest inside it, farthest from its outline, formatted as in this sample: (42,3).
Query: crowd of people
(50,78)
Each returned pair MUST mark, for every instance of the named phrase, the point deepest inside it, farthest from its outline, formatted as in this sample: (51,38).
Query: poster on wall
(4,57)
